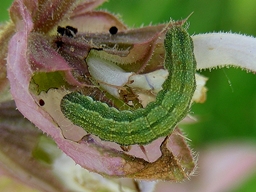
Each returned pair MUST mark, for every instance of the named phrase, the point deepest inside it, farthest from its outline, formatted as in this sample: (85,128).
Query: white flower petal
(150,81)
(200,92)
(220,49)
(109,73)
(147,186)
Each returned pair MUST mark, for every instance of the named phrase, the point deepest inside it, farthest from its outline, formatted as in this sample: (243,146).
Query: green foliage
(5,4)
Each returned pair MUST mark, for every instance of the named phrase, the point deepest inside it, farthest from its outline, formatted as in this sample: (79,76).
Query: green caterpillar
(158,118)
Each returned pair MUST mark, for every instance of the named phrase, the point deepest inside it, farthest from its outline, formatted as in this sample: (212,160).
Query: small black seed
(68,31)
(61,30)
(59,43)
(113,30)
(74,30)
(41,102)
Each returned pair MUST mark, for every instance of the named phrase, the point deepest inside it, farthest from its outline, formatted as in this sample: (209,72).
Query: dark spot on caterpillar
(113,30)
(41,102)
(68,31)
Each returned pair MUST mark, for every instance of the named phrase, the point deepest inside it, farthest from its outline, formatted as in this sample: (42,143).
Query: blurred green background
(230,110)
